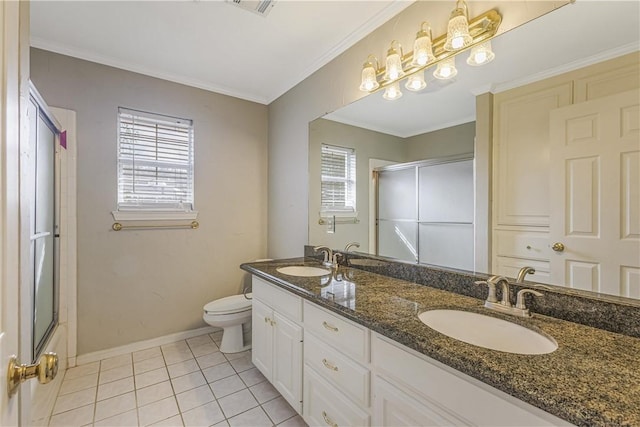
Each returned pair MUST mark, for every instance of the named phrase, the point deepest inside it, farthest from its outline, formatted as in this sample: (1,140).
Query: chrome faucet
(523,272)
(505,306)
(350,245)
(328,255)
(497,280)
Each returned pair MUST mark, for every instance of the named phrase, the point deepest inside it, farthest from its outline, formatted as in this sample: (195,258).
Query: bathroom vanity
(349,349)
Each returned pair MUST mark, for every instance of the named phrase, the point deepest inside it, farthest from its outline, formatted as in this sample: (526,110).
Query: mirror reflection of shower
(425,212)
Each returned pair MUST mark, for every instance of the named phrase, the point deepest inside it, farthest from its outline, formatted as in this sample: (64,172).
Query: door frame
(14,96)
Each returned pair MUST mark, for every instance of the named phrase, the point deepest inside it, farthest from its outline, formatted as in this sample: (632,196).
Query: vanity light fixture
(422,46)
(394,61)
(481,54)
(416,82)
(392,92)
(446,69)
(458,36)
(462,34)
(369,71)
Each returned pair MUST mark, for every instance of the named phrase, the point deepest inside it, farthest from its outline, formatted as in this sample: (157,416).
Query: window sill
(154,216)
(338,214)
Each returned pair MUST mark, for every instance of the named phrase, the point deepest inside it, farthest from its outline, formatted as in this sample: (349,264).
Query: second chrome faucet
(505,305)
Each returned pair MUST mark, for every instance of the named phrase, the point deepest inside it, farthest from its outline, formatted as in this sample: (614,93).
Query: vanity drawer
(523,244)
(278,299)
(347,375)
(352,339)
(326,406)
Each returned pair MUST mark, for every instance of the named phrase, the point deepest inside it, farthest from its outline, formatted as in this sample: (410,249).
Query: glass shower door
(43,251)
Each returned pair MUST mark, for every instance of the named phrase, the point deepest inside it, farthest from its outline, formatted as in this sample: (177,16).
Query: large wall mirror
(439,125)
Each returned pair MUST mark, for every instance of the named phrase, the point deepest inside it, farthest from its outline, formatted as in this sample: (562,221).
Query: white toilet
(230,313)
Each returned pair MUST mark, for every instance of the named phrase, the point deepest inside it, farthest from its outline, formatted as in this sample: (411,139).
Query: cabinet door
(287,360)
(393,407)
(262,339)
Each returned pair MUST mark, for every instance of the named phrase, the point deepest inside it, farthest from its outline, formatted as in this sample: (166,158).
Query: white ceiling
(567,38)
(212,45)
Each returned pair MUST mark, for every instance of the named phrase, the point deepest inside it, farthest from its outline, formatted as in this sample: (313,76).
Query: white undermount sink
(488,332)
(303,271)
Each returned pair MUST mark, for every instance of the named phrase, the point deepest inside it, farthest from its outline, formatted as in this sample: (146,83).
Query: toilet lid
(232,304)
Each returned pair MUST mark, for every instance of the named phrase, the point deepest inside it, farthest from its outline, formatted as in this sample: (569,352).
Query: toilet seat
(229,305)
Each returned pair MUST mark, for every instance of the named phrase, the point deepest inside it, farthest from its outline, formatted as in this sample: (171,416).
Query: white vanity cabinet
(336,371)
(408,387)
(277,339)
(351,376)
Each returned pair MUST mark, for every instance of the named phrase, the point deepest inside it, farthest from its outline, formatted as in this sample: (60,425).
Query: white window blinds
(338,182)
(155,162)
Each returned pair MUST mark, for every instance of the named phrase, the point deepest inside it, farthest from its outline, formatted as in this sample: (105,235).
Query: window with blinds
(155,162)
(338,182)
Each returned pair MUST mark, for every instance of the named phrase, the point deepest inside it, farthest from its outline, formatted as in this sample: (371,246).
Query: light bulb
(458,28)
(416,82)
(392,92)
(481,54)
(422,47)
(368,80)
(394,62)
(446,69)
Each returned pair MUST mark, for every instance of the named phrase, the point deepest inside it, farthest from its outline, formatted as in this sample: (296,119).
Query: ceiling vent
(261,7)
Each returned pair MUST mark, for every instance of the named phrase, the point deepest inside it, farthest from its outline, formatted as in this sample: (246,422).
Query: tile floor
(186,383)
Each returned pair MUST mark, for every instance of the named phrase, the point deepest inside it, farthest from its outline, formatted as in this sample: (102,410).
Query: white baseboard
(142,345)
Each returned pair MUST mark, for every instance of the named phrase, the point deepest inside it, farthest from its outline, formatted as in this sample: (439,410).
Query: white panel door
(595,195)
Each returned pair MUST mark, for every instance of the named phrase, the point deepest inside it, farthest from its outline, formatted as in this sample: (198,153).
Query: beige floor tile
(296,421)
(255,417)
(218,372)
(115,374)
(146,365)
(239,355)
(74,400)
(148,353)
(152,377)
(115,405)
(182,368)
(154,393)
(115,362)
(188,382)
(278,410)
(204,415)
(157,411)
(82,370)
(211,359)
(175,421)
(202,349)
(126,419)
(76,417)
(252,377)
(195,397)
(114,388)
(200,340)
(77,384)
(264,392)
(242,364)
(237,403)
(227,386)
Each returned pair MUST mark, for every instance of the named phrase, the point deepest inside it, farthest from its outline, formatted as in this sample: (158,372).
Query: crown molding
(129,66)
(355,36)
(565,68)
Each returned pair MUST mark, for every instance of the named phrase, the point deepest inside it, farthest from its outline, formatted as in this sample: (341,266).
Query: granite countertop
(593,378)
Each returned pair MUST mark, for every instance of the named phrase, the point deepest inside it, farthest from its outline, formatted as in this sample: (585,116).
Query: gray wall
(335,85)
(368,145)
(137,285)
(441,143)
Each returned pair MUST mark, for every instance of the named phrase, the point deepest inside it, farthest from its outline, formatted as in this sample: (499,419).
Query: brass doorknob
(558,247)
(45,370)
